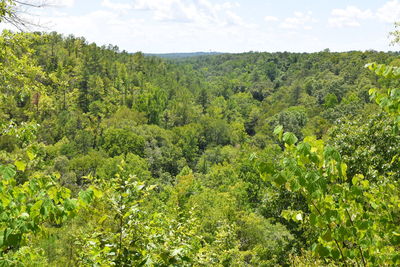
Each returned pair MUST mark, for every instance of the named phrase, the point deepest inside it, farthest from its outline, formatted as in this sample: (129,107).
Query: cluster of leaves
(389,99)
(356,218)
(28,208)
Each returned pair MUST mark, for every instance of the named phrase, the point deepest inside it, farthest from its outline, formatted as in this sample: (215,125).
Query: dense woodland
(109,158)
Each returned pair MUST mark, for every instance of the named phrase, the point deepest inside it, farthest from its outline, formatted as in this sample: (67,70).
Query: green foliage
(368,146)
(349,230)
(111,158)
(152,101)
(389,99)
(25,208)
(120,141)
(356,220)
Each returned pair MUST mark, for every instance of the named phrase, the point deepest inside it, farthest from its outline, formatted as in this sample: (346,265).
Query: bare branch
(30,4)
(14,10)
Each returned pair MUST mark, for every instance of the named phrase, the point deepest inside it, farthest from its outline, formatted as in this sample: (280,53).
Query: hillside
(253,159)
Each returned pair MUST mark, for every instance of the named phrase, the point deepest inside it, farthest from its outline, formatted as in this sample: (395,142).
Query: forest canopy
(109,158)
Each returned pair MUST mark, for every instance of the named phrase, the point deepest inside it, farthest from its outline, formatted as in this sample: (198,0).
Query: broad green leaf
(266,167)
(304,148)
(86,196)
(20,165)
(357,178)
(7,171)
(313,219)
(372,91)
(365,184)
(289,138)
(69,204)
(387,71)
(35,209)
(343,169)
(280,179)
(327,236)
(47,207)
(30,155)
(278,131)
(323,251)
(370,66)
(53,192)
(335,253)
(362,225)
(97,193)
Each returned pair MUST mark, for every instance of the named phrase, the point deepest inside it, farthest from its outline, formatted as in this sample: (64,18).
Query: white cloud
(271,19)
(200,12)
(349,17)
(116,6)
(233,19)
(61,3)
(102,27)
(203,25)
(300,20)
(352,16)
(389,12)
(199,25)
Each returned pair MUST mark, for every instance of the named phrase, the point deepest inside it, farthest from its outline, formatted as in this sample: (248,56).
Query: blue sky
(159,26)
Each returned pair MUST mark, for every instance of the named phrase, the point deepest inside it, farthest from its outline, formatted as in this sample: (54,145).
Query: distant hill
(183,55)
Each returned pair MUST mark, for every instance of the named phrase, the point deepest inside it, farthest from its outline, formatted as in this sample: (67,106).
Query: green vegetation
(255,159)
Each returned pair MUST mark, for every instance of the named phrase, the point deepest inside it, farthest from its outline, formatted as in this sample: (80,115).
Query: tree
(355,218)
(10,12)
(121,142)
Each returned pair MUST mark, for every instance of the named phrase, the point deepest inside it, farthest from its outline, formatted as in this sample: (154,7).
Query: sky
(166,26)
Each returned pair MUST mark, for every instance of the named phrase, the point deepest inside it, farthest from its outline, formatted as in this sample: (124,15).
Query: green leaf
(294,185)
(327,236)
(266,167)
(357,178)
(47,205)
(363,225)
(30,155)
(70,204)
(176,252)
(278,131)
(97,193)
(35,209)
(86,196)
(335,254)
(331,153)
(313,219)
(372,91)
(388,71)
(7,171)
(20,165)
(341,233)
(343,169)
(289,138)
(304,148)
(322,251)
(280,179)
(13,239)
(365,184)
(370,66)
(52,192)
(5,199)
(396,72)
